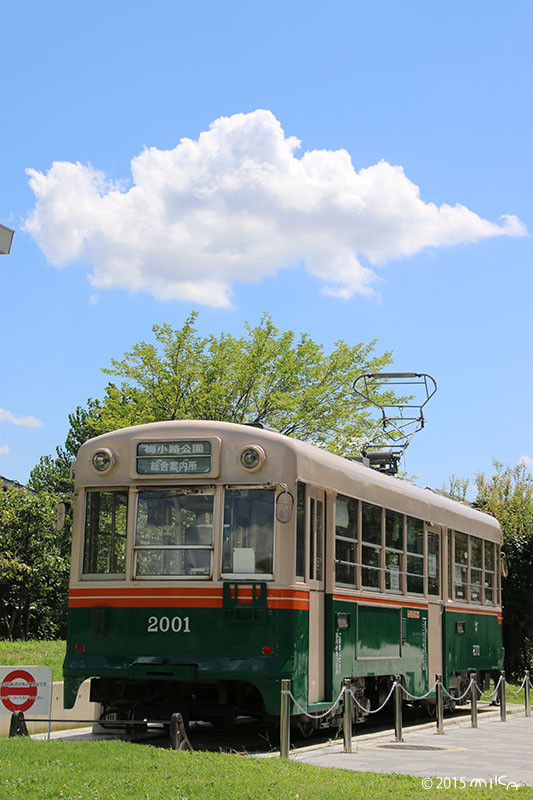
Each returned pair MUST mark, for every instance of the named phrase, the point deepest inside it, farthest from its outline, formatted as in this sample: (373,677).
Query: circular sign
(25,692)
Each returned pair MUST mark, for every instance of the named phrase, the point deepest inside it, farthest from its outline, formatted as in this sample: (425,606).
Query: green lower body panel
(472,642)
(128,649)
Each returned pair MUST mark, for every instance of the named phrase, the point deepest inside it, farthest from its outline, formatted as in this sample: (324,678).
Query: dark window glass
(371,549)
(433,563)
(476,572)
(106,520)
(312,517)
(300,534)
(394,550)
(489,573)
(346,509)
(371,524)
(461,566)
(174,532)
(394,530)
(346,524)
(248,539)
(415,556)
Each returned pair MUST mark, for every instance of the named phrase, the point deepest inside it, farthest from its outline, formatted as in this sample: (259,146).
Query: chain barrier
(375,710)
(494,693)
(461,697)
(416,697)
(512,691)
(313,716)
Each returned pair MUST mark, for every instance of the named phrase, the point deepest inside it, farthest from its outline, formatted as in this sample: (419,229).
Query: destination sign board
(174,458)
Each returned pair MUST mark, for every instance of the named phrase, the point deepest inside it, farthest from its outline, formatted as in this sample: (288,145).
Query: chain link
(416,697)
(494,693)
(313,716)
(517,691)
(375,710)
(461,697)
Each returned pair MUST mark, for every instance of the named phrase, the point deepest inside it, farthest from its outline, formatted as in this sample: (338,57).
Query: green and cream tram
(212,560)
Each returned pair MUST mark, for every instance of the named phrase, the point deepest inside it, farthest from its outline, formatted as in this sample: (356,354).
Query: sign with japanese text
(26,689)
(174,458)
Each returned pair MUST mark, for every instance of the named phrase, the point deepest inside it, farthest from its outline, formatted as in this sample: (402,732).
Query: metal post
(398,709)
(284,720)
(527,696)
(473,699)
(178,735)
(348,713)
(440,705)
(503,700)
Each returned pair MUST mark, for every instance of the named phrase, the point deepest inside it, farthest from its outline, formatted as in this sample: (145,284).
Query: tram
(211,560)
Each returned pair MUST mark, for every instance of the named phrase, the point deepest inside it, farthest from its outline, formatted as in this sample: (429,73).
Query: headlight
(103,460)
(252,457)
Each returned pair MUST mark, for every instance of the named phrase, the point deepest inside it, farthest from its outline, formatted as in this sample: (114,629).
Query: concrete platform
(497,752)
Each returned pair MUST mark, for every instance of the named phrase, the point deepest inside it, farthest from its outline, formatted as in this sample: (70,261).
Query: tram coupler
(178,735)
(17,725)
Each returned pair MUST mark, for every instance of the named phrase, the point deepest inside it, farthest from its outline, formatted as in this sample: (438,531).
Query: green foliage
(266,376)
(34,563)
(53,474)
(508,496)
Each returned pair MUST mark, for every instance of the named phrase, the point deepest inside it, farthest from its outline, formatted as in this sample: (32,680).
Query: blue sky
(309,128)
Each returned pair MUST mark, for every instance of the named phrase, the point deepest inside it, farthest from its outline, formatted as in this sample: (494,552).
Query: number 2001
(166,624)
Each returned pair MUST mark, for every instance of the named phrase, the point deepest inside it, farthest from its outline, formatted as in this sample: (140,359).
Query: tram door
(435,604)
(315,575)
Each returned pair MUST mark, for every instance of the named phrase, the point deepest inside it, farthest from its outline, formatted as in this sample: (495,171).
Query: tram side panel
(472,642)
(373,641)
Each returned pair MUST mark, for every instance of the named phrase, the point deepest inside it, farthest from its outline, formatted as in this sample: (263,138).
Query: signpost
(26,689)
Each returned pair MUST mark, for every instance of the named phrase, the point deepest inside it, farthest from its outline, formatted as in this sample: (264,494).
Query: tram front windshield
(175,534)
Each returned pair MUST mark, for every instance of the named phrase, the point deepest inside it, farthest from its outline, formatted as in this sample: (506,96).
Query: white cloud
(4,449)
(27,422)
(237,205)
(527,461)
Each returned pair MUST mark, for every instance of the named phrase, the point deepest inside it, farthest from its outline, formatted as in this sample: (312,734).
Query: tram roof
(329,471)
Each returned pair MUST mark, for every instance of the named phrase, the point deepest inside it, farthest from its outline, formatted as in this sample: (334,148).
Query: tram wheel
(304,728)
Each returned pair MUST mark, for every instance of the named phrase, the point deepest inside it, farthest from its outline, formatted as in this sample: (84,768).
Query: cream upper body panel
(287,460)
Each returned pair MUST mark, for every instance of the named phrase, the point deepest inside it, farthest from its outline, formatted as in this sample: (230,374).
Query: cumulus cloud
(27,422)
(237,204)
(527,461)
(4,449)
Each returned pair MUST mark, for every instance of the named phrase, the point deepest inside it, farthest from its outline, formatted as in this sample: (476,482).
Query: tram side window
(346,537)
(476,566)
(300,533)
(433,563)
(393,551)
(461,566)
(489,573)
(371,545)
(415,556)
(174,533)
(104,552)
(248,540)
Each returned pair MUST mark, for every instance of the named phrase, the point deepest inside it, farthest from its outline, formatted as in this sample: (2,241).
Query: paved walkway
(494,751)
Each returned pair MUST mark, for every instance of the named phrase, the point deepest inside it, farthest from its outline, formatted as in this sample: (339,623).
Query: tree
(34,564)
(266,376)
(508,496)
(53,474)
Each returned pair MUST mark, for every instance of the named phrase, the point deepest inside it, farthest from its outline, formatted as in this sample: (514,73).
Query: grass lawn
(34,653)
(123,771)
